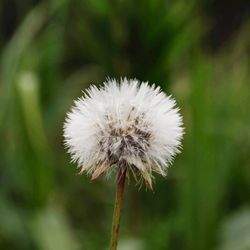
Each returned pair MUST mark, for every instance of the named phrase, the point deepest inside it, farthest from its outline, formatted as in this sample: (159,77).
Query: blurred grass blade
(28,90)
(52,231)
(235,232)
(20,42)
(12,54)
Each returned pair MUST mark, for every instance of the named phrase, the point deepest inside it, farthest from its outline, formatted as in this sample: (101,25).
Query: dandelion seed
(124,125)
(127,126)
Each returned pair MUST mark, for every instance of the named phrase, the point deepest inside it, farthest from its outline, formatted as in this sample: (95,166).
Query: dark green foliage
(50,51)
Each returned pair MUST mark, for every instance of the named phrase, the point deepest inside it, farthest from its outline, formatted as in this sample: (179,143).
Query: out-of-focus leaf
(131,244)
(235,231)
(28,91)
(12,54)
(52,231)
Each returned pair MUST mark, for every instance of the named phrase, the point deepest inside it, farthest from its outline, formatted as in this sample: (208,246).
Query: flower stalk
(121,178)
(132,125)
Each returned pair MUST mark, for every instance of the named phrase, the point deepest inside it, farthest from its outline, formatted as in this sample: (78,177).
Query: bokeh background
(196,50)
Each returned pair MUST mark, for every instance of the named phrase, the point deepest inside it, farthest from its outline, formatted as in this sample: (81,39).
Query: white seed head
(124,125)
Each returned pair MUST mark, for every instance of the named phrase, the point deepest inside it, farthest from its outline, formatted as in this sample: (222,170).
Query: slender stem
(121,178)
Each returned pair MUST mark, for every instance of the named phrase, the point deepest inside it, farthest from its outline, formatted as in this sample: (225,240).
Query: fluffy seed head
(124,125)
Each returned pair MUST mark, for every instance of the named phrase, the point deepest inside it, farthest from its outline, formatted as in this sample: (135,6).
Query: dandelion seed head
(124,124)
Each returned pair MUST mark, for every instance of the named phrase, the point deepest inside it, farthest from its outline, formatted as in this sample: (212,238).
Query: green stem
(121,178)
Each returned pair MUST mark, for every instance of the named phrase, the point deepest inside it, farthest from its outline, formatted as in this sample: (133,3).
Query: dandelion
(124,126)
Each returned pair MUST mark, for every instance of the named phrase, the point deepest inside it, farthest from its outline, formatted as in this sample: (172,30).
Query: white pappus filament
(124,124)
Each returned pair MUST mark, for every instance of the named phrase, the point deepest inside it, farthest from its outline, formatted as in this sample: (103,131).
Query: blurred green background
(197,50)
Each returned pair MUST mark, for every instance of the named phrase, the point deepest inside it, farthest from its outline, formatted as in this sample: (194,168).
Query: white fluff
(124,124)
